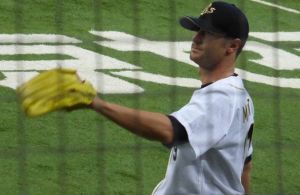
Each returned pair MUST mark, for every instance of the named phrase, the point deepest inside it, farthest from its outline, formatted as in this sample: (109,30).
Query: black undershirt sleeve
(180,135)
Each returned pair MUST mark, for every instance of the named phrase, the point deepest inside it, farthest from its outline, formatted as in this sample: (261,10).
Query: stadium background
(83,153)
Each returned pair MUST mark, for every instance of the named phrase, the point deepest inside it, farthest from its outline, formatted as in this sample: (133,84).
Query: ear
(233,46)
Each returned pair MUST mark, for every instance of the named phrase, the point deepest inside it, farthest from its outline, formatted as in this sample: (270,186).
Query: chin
(193,58)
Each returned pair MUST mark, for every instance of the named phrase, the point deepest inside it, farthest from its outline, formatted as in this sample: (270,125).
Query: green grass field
(83,153)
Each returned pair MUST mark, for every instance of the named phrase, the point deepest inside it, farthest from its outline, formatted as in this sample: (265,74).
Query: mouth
(195,49)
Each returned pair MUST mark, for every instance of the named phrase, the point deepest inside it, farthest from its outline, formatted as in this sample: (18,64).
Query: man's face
(208,49)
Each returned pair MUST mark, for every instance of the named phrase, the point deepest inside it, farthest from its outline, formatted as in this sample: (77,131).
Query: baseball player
(209,137)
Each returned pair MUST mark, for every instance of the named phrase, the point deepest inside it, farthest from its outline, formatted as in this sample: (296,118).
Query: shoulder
(222,89)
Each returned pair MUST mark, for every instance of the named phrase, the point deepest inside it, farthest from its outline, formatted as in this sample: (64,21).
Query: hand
(57,89)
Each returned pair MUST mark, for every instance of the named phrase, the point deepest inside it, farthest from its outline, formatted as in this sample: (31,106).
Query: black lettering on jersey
(248,139)
(175,153)
(247,144)
(250,132)
(246,111)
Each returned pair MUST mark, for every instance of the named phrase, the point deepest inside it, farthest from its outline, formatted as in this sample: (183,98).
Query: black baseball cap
(219,17)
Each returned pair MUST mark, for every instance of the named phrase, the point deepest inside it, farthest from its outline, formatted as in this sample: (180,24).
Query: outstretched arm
(150,125)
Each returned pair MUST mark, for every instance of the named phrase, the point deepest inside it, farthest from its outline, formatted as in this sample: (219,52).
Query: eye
(202,32)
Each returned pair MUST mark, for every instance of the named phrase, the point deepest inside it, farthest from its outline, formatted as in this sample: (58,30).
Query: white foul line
(277,6)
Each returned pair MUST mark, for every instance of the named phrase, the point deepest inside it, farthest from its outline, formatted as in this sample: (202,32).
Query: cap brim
(196,24)
(189,23)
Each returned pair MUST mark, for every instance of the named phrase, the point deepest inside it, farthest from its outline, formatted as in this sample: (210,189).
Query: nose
(198,37)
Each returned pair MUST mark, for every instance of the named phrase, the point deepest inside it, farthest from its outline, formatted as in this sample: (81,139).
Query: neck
(209,76)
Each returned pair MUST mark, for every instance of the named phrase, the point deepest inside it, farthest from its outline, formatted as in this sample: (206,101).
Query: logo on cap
(208,10)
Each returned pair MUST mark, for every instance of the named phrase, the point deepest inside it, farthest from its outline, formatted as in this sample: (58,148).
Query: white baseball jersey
(217,120)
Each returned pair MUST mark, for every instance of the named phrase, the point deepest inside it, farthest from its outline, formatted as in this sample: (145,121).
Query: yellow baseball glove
(55,89)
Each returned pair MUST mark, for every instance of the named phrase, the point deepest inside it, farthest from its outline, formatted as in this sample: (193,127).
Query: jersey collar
(205,85)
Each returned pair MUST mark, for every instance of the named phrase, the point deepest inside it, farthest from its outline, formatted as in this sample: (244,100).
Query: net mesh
(84,153)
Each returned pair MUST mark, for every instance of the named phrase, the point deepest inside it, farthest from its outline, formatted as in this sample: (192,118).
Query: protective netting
(134,52)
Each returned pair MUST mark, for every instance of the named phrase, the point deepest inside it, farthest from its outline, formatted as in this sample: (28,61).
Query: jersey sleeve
(206,118)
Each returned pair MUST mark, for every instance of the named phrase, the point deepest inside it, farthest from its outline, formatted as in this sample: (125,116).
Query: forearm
(246,177)
(150,125)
